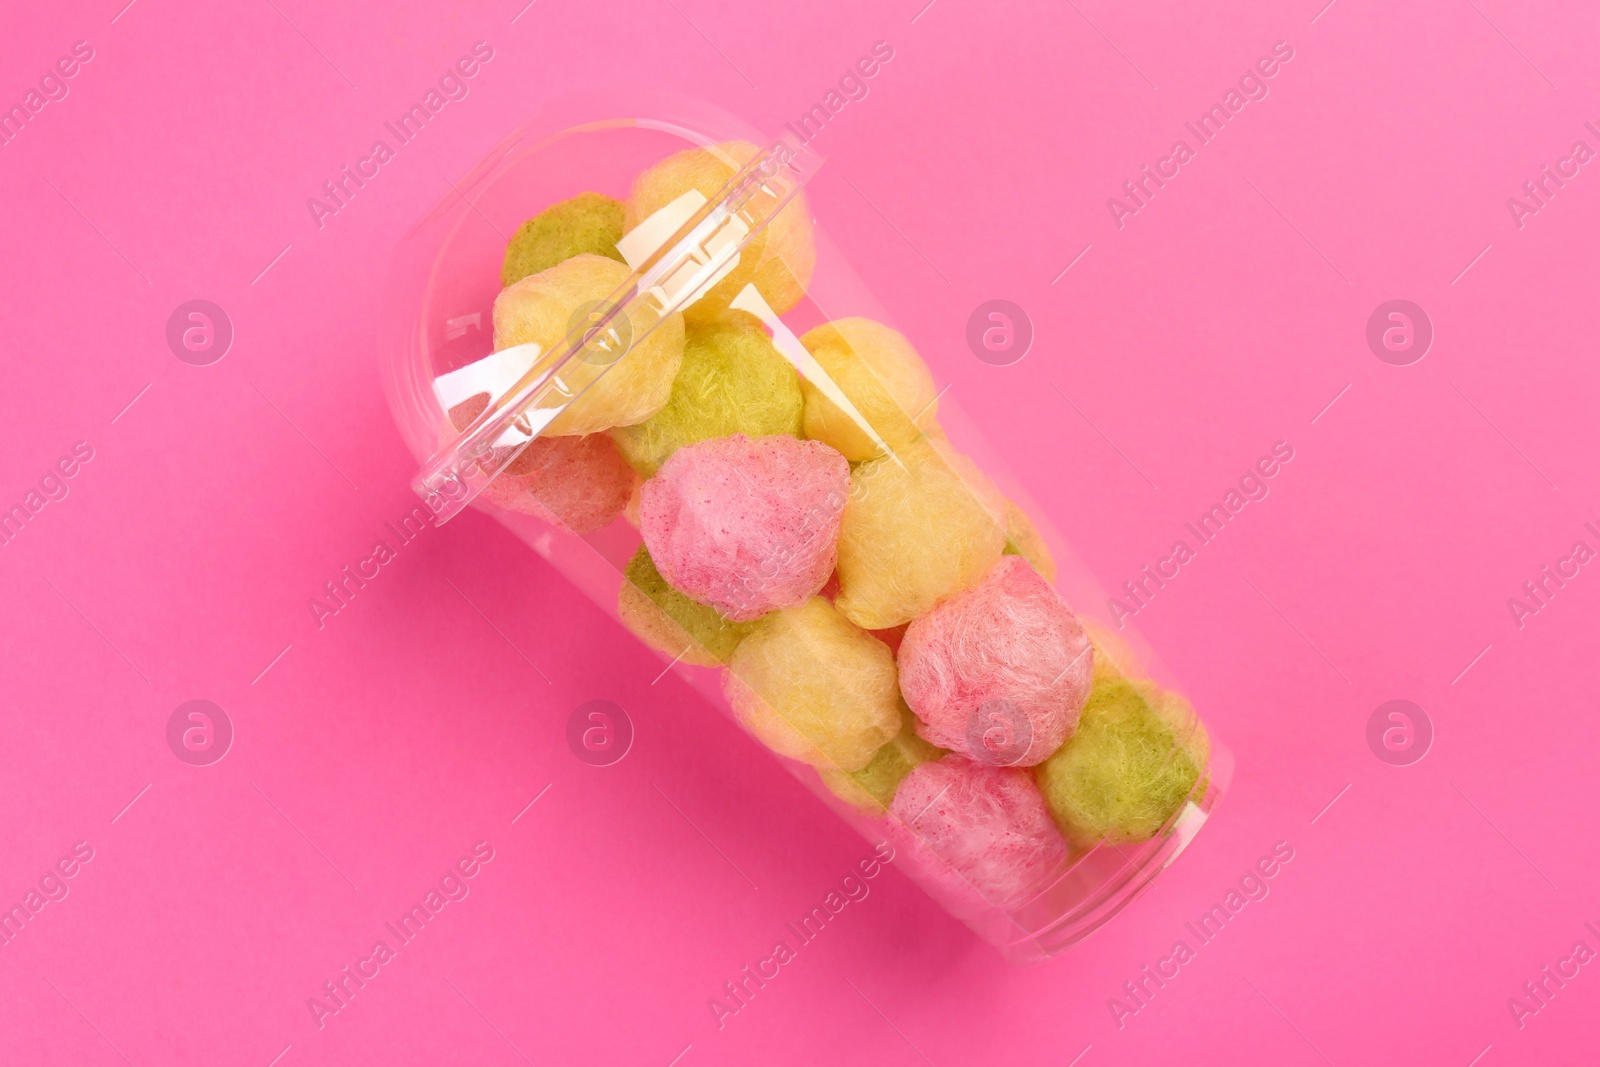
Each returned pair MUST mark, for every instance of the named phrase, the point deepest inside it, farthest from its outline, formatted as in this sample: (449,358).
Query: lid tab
(670,270)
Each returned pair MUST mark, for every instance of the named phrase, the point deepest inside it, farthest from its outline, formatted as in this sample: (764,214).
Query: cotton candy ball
(732,381)
(580,483)
(1023,539)
(544,308)
(872,788)
(982,833)
(745,524)
(1134,760)
(813,687)
(1000,671)
(577,483)
(881,375)
(922,524)
(779,260)
(588,222)
(670,622)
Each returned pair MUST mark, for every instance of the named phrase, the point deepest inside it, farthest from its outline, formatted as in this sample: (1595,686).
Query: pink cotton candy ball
(999,672)
(579,484)
(746,525)
(982,834)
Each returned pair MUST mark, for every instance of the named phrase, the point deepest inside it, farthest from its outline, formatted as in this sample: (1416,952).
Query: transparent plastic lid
(675,256)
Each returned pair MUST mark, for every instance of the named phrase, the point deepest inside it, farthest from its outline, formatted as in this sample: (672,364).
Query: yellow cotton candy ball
(543,308)
(921,524)
(732,381)
(872,788)
(588,222)
(1022,539)
(778,260)
(1133,762)
(812,686)
(881,375)
(670,622)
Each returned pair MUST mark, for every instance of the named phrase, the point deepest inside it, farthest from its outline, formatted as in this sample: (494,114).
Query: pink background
(1225,316)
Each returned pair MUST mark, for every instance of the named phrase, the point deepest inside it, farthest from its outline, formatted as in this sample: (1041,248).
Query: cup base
(1110,877)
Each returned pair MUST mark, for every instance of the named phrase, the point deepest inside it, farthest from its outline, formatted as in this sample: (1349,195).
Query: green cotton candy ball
(732,381)
(872,788)
(1134,760)
(588,222)
(667,620)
